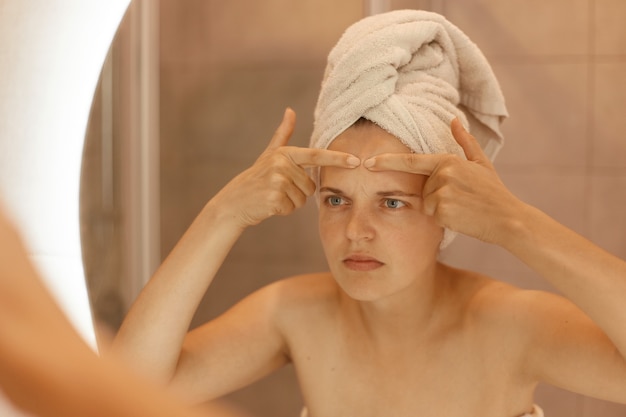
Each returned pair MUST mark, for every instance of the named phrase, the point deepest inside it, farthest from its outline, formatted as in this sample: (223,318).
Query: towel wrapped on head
(410,72)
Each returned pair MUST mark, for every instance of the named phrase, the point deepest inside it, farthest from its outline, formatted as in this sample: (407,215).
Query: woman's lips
(362,263)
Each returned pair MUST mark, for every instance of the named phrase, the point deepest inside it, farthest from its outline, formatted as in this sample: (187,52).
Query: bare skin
(46,369)
(389,329)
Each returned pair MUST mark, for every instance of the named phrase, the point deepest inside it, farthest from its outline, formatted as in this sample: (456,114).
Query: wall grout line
(590,129)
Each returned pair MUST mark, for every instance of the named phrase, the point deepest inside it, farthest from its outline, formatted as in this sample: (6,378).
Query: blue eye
(393,204)
(334,200)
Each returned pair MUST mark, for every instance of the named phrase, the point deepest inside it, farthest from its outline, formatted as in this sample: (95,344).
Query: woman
(389,330)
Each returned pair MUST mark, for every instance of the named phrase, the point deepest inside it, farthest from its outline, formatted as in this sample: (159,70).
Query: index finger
(308,157)
(413,163)
(471,147)
(284,130)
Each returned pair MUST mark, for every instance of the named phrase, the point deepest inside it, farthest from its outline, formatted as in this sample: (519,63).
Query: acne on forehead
(375,181)
(367,140)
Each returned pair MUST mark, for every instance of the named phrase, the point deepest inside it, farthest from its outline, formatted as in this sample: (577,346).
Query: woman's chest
(448,377)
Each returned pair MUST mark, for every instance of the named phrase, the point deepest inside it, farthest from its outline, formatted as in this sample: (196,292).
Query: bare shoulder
(283,304)
(305,294)
(528,323)
(286,303)
(506,304)
(551,339)
(511,314)
(493,300)
(303,309)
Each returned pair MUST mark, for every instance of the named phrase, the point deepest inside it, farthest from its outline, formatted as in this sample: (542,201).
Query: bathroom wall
(228,70)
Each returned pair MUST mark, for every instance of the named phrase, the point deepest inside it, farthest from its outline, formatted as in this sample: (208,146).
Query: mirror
(228,70)
(52,53)
(120,177)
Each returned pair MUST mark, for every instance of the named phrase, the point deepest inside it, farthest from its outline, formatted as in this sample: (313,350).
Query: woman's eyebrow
(397,193)
(331,190)
(390,193)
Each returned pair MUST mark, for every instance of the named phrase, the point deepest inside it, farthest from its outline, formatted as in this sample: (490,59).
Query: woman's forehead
(366,140)
(360,182)
(361,178)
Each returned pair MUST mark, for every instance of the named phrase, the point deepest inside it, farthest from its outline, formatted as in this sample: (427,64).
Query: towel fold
(410,72)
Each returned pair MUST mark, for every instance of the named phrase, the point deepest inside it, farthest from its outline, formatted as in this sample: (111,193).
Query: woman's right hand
(277,183)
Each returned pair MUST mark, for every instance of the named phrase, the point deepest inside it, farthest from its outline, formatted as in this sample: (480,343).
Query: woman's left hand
(463,195)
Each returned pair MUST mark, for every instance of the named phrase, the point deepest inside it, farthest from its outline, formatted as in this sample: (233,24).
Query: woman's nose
(360,226)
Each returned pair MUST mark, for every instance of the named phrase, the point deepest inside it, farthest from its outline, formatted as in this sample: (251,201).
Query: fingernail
(354,161)
(369,163)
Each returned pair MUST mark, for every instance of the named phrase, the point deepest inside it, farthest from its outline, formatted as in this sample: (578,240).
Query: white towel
(537,412)
(410,72)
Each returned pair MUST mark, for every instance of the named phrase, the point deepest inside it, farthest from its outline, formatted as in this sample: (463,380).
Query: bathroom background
(227,70)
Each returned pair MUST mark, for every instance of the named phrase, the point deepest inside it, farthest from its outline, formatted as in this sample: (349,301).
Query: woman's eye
(334,201)
(393,204)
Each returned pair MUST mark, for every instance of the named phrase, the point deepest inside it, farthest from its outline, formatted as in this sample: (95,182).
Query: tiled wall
(230,68)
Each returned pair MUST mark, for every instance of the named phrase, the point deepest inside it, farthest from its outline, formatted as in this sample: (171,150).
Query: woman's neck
(410,314)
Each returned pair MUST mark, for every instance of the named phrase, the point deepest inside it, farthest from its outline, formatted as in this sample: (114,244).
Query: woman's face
(375,237)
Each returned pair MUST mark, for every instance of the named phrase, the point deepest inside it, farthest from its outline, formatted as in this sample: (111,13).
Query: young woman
(390,330)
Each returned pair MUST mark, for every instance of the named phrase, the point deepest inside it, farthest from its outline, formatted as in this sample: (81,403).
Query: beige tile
(608,144)
(239,276)
(523,27)
(548,114)
(242,109)
(556,402)
(561,194)
(183,27)
(597,408)
(293,238)
(275,396)
(185,189)
(220,113)
(411,4)
(493,261)
(212,128)
(608,217)
(610,29)
(251,31)
(279,29)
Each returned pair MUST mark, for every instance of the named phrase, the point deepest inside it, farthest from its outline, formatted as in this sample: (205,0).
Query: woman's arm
(46,368)
(153,334)
(592,278)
